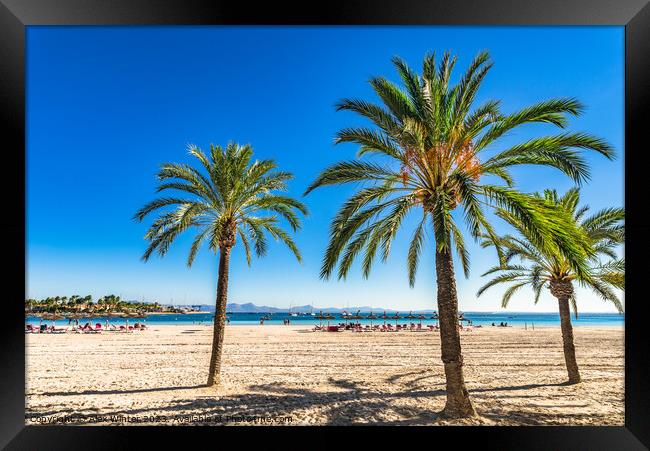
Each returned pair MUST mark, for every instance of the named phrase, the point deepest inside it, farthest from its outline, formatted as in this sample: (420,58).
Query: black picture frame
(15,15)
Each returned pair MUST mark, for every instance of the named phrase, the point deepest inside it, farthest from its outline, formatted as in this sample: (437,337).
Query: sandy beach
(291,375)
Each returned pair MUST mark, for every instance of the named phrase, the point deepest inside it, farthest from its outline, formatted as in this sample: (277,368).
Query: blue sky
(108,105)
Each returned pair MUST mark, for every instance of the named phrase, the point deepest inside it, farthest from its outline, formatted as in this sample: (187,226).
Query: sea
(523,319)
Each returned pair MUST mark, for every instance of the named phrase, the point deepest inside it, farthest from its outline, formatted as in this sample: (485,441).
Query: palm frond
(227,190)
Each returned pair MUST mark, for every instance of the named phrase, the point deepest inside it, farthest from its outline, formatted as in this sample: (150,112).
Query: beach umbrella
(356,315)
(329,317)
(421,317)
(396,317)
(384,317)
(320,317)
(371,317)
(410,315)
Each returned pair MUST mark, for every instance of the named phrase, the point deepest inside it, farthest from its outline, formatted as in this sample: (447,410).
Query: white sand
(289,375)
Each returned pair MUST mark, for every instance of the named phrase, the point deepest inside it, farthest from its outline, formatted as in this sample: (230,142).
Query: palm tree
(72,300)
(432,148)
(87,302)
(30,303)
(540,268)
(236,197)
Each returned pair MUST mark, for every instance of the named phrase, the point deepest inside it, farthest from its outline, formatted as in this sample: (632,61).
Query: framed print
(380,215)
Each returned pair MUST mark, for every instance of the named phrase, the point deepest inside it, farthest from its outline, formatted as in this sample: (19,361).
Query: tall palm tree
(540,268)
(232,196)
(74,300)
(433,151)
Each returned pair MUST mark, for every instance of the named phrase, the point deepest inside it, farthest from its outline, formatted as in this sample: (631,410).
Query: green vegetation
(544,268)
(233,197)
(85,304)
(436,155)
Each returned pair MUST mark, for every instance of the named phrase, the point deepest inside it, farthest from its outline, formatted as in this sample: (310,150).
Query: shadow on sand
(119,392)
(348,403)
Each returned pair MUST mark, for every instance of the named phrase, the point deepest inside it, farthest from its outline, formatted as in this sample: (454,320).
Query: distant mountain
(367,309)
(249,307)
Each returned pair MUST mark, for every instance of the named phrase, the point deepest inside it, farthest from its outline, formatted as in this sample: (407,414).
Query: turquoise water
(477,318)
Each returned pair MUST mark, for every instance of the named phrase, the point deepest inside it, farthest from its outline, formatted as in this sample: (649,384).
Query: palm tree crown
(435,149)
(539,268)
(235,197)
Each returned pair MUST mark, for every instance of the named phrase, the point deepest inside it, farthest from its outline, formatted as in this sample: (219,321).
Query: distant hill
(249,307)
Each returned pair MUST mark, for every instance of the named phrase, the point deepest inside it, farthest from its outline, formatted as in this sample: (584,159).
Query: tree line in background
(85,304)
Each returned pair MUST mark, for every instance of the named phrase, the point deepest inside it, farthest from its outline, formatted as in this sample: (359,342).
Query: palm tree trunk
(458,403)
(219,317)
(567,338)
